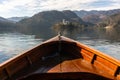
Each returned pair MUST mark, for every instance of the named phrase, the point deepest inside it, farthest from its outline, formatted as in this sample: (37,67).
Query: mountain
(6,25)
(112,21)
(4,20)
(16,19)
(83,13)
(95,16)
(43,21)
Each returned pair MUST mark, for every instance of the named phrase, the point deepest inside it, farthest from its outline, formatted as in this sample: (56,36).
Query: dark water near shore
(12,44)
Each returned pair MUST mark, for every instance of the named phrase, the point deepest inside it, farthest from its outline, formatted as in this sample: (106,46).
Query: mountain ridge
(95,16)
(43,21)
(16,19)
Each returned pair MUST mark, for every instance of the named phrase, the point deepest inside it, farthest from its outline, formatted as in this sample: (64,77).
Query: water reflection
(12,44)
(113,34)
(105,40)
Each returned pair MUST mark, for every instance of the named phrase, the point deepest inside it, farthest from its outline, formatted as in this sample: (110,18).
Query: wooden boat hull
(65,76)
(61,58)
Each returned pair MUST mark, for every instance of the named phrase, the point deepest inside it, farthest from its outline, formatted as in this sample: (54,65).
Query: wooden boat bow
(61,58)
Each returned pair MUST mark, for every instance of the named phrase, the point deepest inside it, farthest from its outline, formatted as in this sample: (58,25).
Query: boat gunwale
(25,53)
(94,51)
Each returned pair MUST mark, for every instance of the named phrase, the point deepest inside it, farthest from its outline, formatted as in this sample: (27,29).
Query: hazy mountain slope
(43,21)
(83,13)
(113,21)
(4,20)
(16,19)
(6,25)
(95,16)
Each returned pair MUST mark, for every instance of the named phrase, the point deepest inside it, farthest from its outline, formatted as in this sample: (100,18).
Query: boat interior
(59,60)
(64,61)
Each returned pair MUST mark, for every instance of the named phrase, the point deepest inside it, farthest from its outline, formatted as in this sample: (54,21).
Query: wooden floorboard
(78,65)
(67,64)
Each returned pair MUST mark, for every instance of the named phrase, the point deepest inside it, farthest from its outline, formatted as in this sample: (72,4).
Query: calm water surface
(12,44)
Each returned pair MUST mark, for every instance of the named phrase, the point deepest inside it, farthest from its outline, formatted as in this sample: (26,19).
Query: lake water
(12,44)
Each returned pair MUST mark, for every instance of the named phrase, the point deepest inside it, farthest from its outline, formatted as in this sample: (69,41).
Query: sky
(19,8)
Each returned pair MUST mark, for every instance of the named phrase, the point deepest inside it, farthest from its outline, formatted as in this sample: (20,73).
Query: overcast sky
(11,8)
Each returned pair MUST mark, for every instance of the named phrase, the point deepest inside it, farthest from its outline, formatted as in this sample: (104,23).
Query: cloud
(64,4)
(10,8)
(105,5)
(80,4)
(17,7)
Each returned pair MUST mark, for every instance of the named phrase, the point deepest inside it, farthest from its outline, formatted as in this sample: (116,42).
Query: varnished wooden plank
(86,57)
(17,66)
(85,66)
(87,52)
(104,68)
(55,69)
(29,60)
(107,63)
(105,56)
(3,74)
(68,66)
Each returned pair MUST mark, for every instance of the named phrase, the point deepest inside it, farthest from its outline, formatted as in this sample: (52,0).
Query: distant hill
(4,19)
(83,13)
(43,21)
(112,21)
(6,25)
(95,16)
(16,19)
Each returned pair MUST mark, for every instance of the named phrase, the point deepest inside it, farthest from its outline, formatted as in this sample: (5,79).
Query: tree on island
(67,27)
